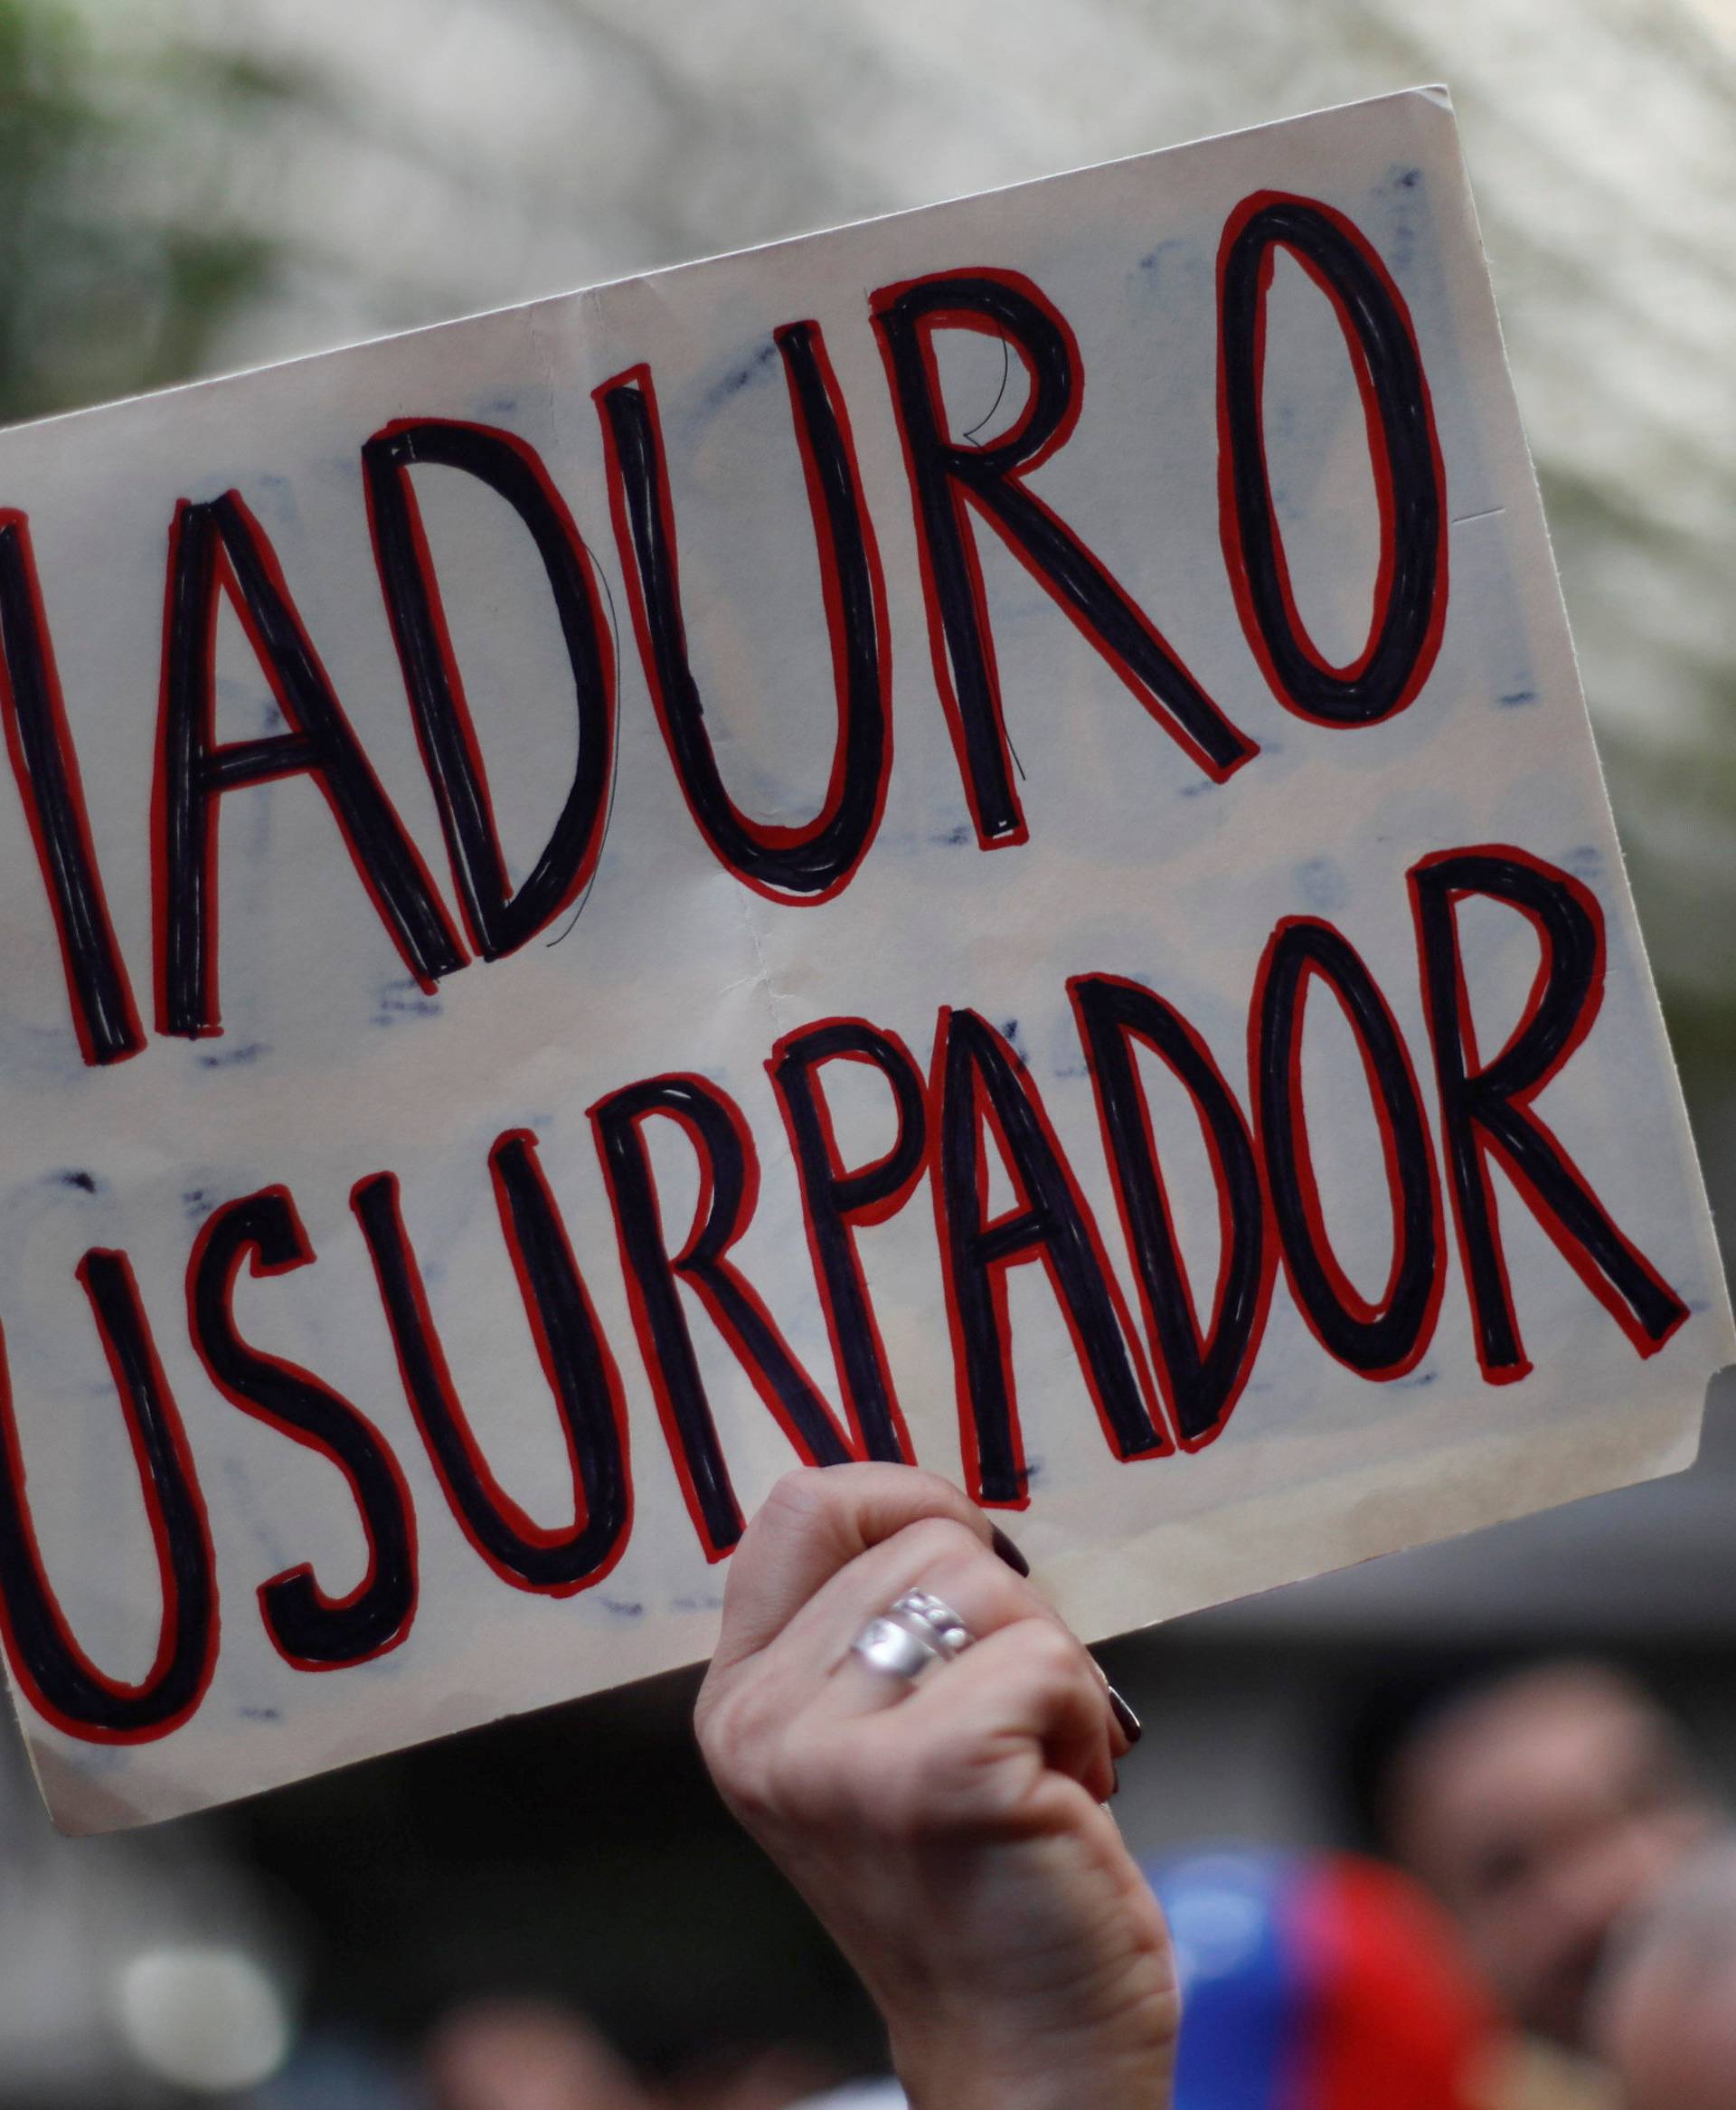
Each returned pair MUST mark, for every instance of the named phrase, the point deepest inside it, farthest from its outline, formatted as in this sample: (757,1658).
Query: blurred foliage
(116,268)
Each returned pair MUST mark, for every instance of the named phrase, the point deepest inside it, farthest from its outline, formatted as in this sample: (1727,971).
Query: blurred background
(189,188)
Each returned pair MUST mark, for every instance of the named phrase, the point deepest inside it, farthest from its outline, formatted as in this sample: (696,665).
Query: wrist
(1037,2019)
(964,2080)
(1026,2065)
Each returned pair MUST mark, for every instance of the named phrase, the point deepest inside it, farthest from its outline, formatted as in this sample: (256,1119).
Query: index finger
(814,1522)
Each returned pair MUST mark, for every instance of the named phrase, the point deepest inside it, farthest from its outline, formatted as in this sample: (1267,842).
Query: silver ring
(932,1615)
(884,1645)
(920,1631)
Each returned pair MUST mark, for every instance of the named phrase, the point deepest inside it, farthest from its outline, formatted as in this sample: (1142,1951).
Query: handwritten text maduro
(217,549)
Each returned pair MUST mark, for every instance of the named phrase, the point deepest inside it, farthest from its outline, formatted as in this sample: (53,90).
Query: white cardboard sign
(584,893)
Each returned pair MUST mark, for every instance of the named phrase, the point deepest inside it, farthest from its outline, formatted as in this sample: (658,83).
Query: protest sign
(586,895)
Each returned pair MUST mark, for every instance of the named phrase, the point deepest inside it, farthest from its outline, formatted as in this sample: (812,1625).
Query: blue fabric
(1244,1994)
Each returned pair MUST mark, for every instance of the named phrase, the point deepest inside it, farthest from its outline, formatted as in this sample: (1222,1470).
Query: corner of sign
(1720,1398)
(78,1807)
(1436,92)
(1713,1411)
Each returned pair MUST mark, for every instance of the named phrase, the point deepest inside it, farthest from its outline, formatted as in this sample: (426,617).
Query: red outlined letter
(47,768)
(498,918)
(947,478)
(1202,1369)
(837,1199)
(215,547)
(1386,1337)
(979,1085)
(1488,1106)
(55,1675)
(728,1191)
(307,1626)
(1410,483)
(818,859)
(556,1559)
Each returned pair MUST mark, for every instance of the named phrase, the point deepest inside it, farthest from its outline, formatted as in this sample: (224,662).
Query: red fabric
(1395,2020)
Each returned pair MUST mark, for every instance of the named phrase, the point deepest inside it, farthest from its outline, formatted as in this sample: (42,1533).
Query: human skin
(525,2055)
(1664,2011)
(1544,1811)
(1672,2037)
(951,1835)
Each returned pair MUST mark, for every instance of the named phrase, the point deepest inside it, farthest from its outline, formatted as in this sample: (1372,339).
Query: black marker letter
(60,1682)
(1203,1370)
(499,920)
(312,1628)
(813,861)
(47,771)
(216,547)
(555,1559)
(945,475)
(728,1190)
(836,1200)
(980,1081)
(1381,1340)
(1410,587)
(1488,1106)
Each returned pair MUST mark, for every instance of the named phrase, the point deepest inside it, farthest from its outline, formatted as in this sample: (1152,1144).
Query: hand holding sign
(970,842)
(951,1833)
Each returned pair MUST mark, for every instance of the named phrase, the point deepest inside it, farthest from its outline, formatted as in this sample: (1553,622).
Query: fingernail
(1132,1728)
(1115,1780)
(1008,1552)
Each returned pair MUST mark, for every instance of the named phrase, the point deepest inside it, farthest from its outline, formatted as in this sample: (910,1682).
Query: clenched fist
(950,1831)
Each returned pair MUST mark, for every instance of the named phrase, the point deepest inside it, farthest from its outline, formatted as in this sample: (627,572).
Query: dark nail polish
(1008,1552)
(1132,1728)
(1115,1780)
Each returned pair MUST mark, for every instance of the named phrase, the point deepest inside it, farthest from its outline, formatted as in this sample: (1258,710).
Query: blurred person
(871,2095)
(525,2055)
(772,2077)
(1543,1805)
(1665,2008)
(522,2054)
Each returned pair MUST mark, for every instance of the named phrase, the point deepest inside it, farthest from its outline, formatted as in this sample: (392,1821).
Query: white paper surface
(333,1065)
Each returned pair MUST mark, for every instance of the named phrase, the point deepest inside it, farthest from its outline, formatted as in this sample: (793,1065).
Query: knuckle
(1056,1645)
(1050,1656)
(967,1576)
(772,1772)
(748,1792)
(938,1494)
(798,1496)
(939,1542)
